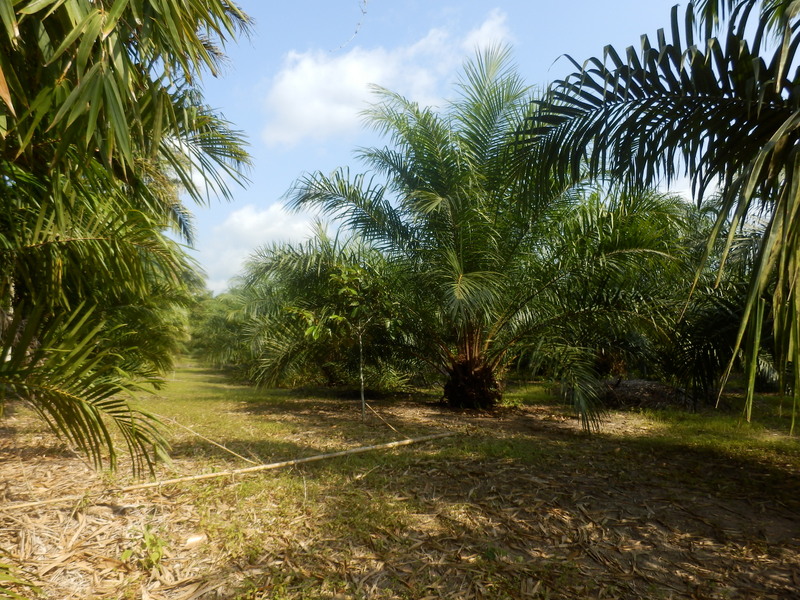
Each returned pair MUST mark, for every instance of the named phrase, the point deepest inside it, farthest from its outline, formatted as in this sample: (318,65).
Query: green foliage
(55,363)
(9,577)
(148,551)
(102,125)
(311,308)
(722,109)
(701,344)
(116,82)
(216,331)
(491,263)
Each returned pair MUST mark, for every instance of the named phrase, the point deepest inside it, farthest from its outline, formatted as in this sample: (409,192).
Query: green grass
(495,505)
(727,434)
(528,394)
(269,425)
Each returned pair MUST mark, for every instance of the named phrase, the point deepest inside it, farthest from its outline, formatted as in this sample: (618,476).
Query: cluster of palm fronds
(500,256)
(101,128)
(301,315)
(463,264)
(714,97)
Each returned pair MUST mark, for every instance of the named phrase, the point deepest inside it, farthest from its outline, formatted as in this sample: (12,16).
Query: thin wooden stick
(245,470)
(382,419)
(204,438)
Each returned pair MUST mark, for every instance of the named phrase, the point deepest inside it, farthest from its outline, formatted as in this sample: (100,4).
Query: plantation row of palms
(508,232)
(459,259)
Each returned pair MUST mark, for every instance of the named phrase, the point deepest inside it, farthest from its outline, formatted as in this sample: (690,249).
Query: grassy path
(520,504)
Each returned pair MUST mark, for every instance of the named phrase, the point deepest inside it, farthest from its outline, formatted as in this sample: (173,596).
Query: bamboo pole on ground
(233,472)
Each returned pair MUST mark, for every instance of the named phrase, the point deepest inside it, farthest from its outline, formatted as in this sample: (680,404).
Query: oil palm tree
(715,97)
(117,82)
(102,123)
(487,254)
(308,311)
(442,213)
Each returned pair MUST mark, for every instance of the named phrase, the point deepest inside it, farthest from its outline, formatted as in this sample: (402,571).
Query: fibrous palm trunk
(471,384)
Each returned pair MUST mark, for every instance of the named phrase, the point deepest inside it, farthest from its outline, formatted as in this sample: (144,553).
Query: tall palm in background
(715,97)
(445,215)
(102,127)
(490,257)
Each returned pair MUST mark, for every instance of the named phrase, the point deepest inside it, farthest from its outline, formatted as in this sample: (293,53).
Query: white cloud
(492,32)
(244,230)
(318,95)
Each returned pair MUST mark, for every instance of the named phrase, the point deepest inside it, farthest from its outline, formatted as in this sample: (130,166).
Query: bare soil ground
(520,504)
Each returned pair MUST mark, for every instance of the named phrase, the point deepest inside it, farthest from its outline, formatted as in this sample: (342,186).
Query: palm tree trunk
(471,384)
(361,373)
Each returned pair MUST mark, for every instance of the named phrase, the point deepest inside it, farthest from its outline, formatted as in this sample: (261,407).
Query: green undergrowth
(725,431)
(530,393)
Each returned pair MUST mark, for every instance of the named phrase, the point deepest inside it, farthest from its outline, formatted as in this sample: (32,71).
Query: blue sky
(297,85)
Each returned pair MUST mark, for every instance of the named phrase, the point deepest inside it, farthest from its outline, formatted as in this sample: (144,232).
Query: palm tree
(102,124)
(308,311)
(118,83)
(487,254)
(724,110)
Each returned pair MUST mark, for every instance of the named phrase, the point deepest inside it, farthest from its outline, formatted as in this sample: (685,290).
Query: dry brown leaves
(617,525)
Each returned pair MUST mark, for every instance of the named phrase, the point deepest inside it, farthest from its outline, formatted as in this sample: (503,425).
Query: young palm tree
(721,108)
(308,311)
(487,254)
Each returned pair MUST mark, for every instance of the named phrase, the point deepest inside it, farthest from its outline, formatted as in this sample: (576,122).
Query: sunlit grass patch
(528,394)
(726,433)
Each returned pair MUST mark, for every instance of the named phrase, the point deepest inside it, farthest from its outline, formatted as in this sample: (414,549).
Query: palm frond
(723,111)
(54,364)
